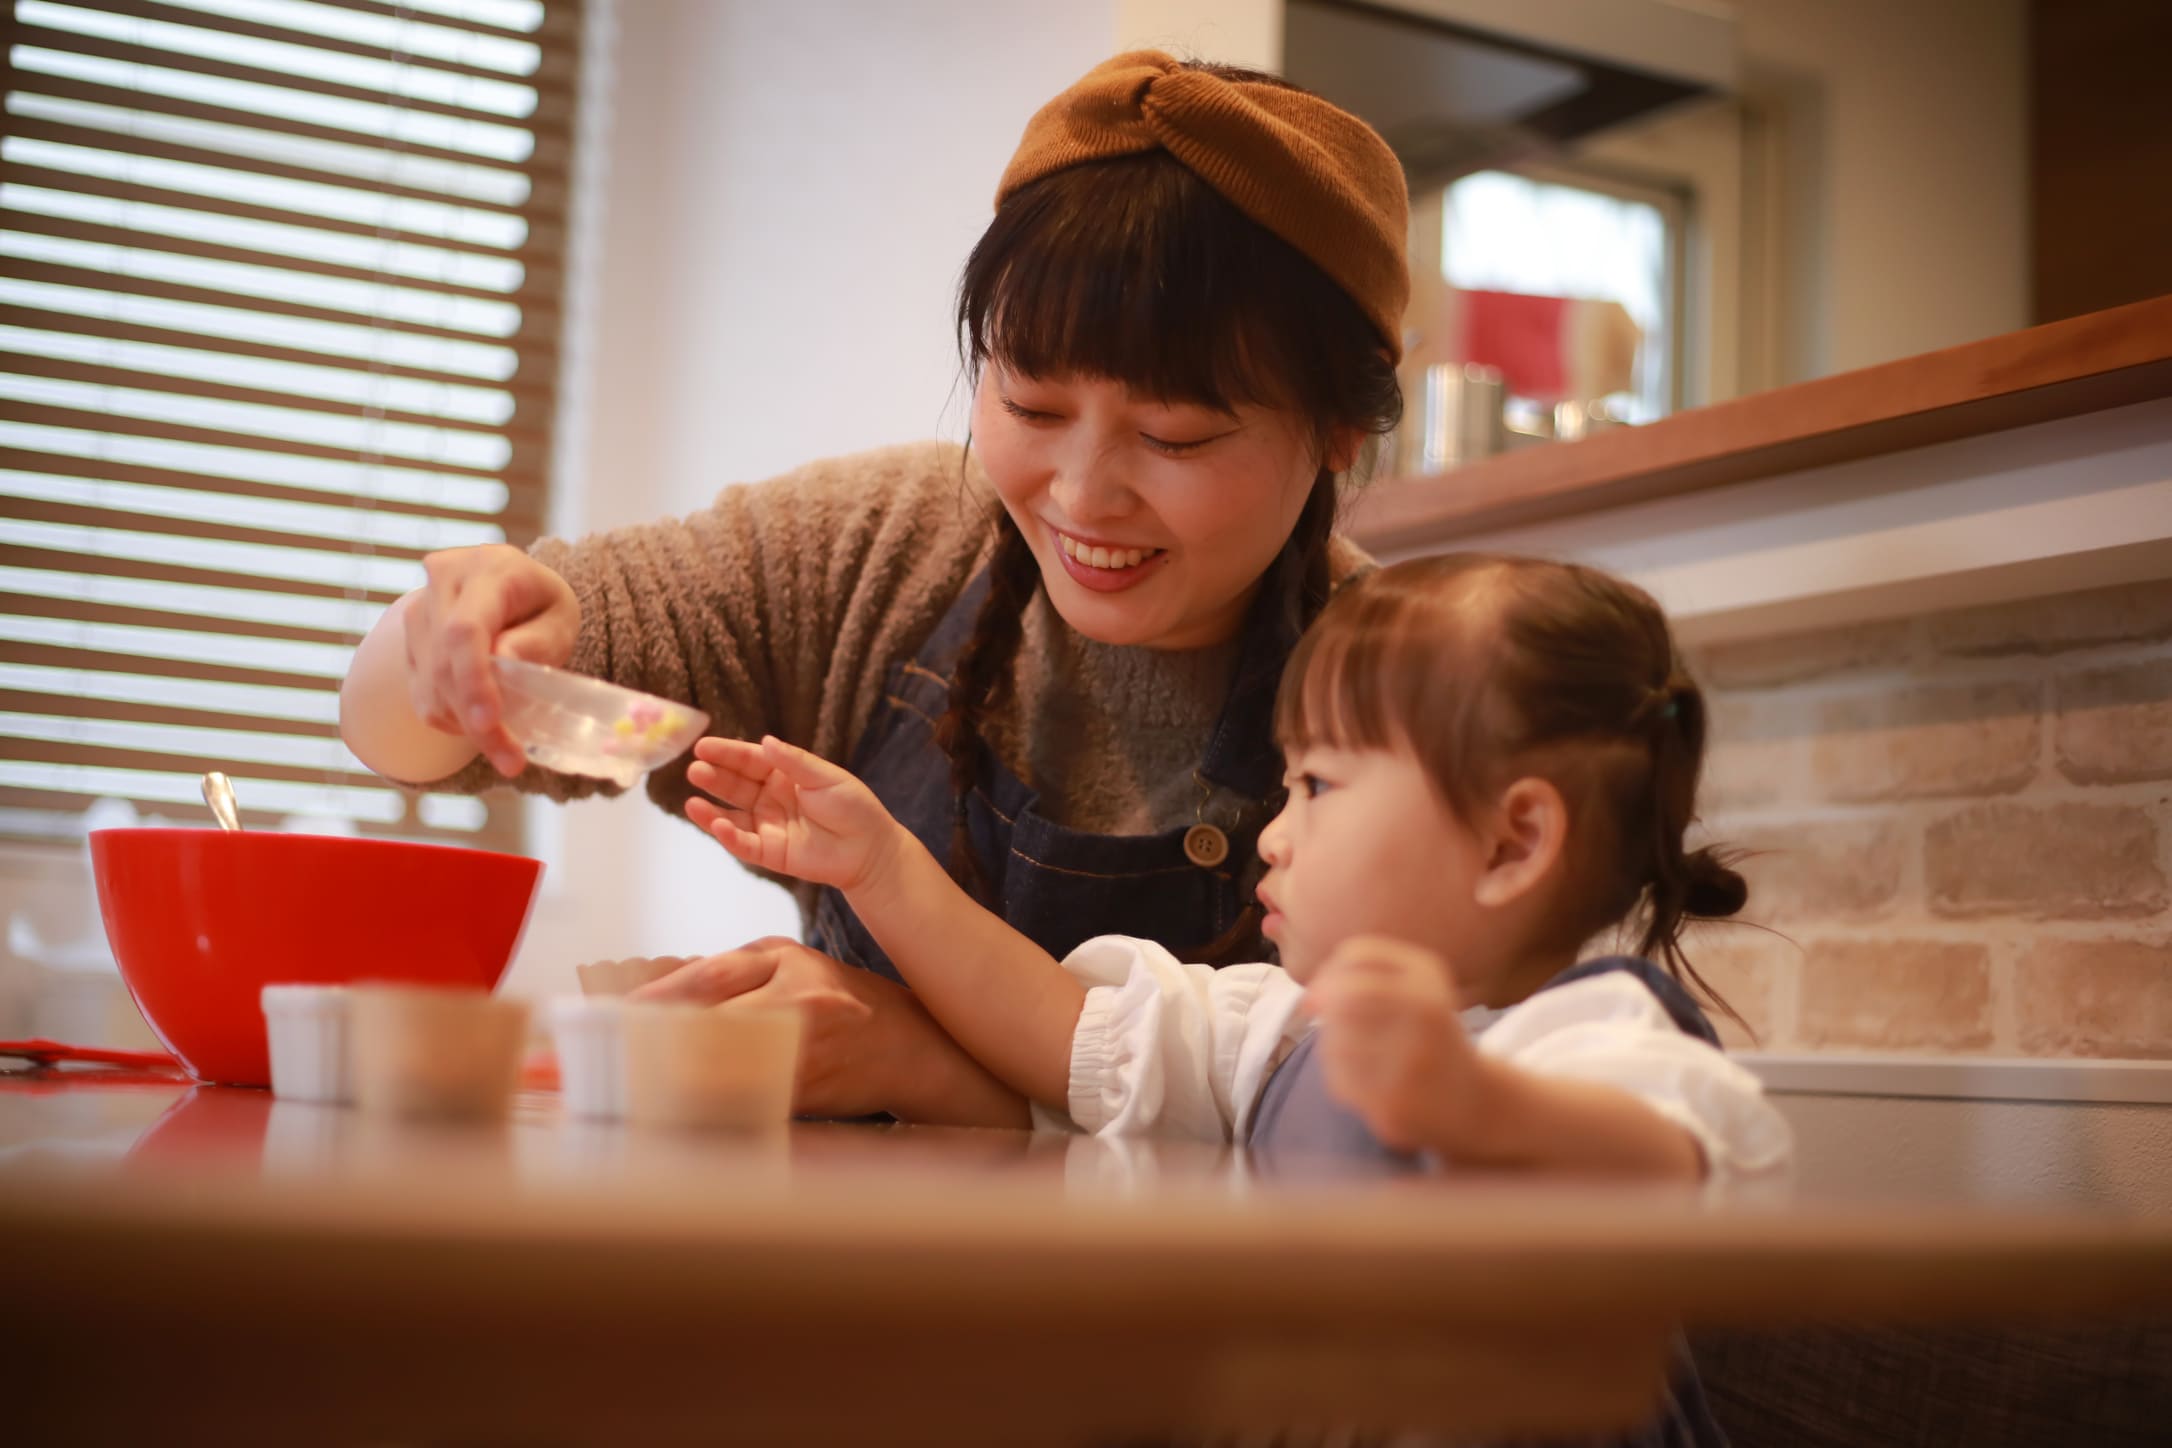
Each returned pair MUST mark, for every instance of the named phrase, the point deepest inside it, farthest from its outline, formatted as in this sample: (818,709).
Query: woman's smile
(1105,567)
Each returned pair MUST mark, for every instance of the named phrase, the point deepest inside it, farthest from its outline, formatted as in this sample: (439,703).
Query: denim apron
(1057,886)
(1297,1128)
(1297,1119)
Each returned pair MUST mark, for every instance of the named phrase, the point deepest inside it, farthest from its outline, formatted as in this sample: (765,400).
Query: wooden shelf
(2063,369)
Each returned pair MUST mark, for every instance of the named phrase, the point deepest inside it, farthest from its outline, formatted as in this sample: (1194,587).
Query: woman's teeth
(1105,557)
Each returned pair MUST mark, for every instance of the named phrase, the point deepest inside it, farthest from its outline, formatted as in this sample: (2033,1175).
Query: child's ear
(1525,835)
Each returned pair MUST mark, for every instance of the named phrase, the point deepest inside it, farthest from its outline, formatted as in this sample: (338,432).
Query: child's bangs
(1350,687)
(1132,270)
(1398,666)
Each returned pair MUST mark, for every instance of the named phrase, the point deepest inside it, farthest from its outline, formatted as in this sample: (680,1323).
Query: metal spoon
(219,794)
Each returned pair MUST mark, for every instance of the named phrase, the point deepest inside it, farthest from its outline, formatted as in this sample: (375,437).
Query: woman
(1054,659)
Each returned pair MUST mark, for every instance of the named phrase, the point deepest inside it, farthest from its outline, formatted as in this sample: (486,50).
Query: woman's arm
(1003,998)
(420,699)
(780,607)
(377,716)
(869,1045)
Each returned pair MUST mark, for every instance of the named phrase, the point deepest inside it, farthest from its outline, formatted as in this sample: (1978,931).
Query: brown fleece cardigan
(783,606)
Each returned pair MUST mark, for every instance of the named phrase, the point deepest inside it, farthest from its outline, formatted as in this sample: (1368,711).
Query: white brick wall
(1962,826)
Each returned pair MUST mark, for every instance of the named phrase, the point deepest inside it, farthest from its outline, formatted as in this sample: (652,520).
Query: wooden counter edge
(2063,369)
(113,1247)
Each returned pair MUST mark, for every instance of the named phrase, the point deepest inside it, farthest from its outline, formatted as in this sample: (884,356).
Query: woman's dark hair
(1487,668)
(1134,269)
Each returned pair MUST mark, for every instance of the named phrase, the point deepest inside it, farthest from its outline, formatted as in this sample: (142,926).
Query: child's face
(1365,847)
(1187,505)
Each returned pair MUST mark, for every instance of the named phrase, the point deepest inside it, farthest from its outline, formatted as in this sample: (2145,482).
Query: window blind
(279,313)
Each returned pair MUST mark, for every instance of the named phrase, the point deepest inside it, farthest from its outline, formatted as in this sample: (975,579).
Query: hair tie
(1662,704)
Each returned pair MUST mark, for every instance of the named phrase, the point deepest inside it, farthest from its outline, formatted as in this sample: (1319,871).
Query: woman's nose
(1090,485)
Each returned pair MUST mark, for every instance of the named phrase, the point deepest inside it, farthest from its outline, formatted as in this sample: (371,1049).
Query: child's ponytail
(1716,890)
(1682,885)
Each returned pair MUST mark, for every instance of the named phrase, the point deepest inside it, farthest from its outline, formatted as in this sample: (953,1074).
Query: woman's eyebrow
(1200,404)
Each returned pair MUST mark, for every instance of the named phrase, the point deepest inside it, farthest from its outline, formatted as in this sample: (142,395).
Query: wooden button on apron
(1205,846)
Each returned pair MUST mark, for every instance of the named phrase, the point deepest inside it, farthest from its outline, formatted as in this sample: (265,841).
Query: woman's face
(1152,521)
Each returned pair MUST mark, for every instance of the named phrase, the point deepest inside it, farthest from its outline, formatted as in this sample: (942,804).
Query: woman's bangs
(1122,270)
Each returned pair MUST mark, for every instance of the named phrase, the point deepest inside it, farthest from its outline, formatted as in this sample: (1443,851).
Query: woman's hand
(1392,1042)
(868,1045)
(481,601)
(792,812)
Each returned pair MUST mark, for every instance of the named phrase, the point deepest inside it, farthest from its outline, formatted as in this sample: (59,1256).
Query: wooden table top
(261,1258)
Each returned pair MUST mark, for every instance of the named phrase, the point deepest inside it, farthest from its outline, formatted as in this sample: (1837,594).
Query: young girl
(1053,658)
(1491,760)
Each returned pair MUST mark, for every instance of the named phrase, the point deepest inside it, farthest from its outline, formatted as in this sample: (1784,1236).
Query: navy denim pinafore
(1060,886)
(1297,1120)
(1299,1129)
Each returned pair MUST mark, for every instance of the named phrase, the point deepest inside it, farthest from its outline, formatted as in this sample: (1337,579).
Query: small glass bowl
(588,1033)
(306,1026)
(729,1066)
(578,725)
(435,1050)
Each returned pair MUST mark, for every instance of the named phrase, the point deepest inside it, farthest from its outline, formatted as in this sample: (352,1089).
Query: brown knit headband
(1313,174)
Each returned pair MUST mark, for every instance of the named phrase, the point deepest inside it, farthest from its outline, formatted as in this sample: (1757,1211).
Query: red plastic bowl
(202,920)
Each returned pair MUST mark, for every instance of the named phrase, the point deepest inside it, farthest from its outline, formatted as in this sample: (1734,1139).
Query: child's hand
(790,811)
(1392,1043)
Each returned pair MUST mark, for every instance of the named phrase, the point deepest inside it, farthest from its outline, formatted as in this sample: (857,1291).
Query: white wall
(1906,206)
(1863,198)
(788,190)
(1232,32)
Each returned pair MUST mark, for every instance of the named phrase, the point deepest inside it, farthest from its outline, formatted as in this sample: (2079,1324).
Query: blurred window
(1584,237)
(279,313)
